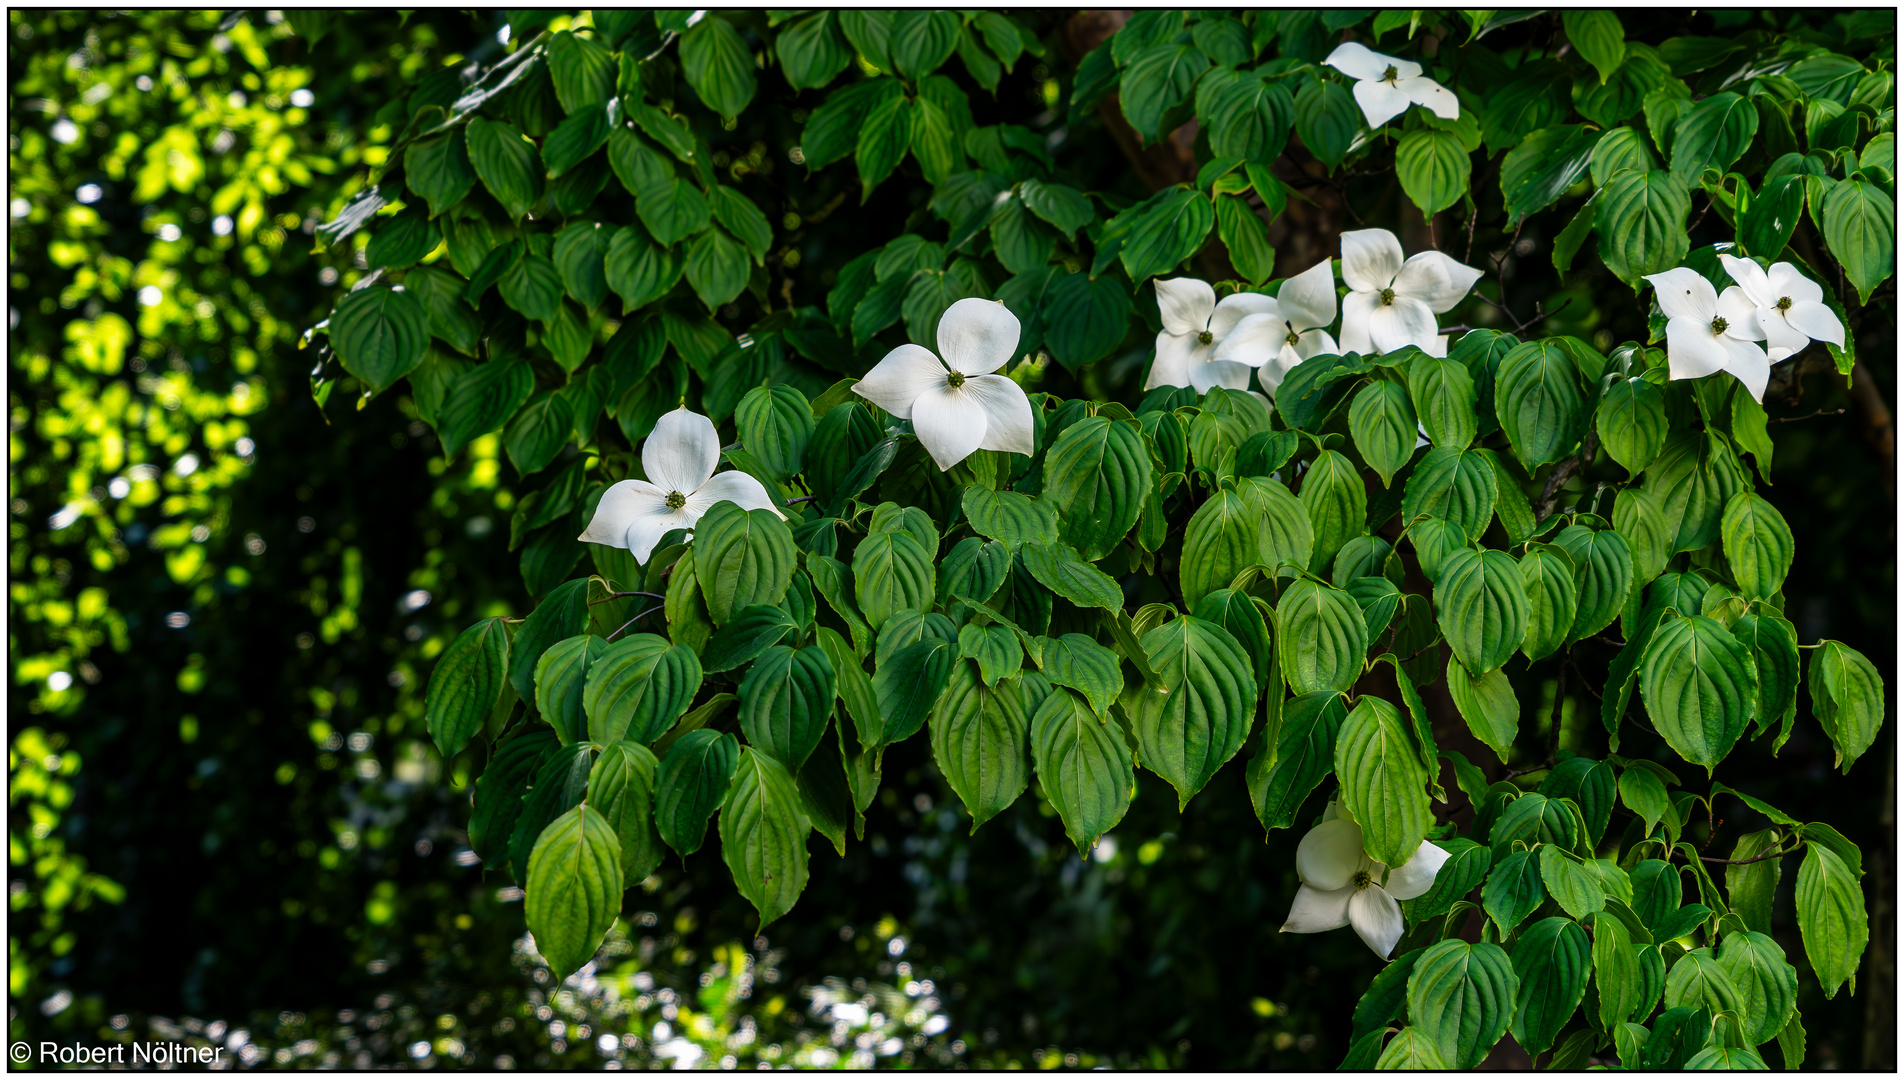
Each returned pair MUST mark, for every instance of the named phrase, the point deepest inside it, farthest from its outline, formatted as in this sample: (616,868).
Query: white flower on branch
(957,405)
(1394,303)
(1290,331)
(1385,86)
(679,457)
(1342,886)
(1195,326)
(1708,331)
(1790,306)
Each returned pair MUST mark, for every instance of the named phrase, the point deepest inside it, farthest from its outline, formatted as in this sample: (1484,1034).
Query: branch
(1782,852)
(633,621)
(623,595)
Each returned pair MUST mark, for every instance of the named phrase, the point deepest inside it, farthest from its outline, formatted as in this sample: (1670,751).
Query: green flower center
(1388,296)
(1718,326)
(1391,74)
(955,380)
(1362,879)
(1205,338)
(1293,338)
(1784,303)
(676,500)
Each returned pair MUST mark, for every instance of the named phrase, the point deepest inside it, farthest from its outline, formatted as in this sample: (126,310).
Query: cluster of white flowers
(1708,331)
(1392,303)
(679,458)
(1386,86)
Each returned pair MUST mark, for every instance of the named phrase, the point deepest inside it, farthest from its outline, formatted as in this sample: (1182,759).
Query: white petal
(1740,314)
(648,530)
(978,336)
(1785,280)
(1782,339)
(1683,292)
(1186,305)
(1435,280)
(1407,321)
(1316,343)
(1315,911)
(1747,363)
(1234,308)
(1357,307)
(1311,343)
(620,505)
(1172,365)
(1255,340)
(1692,350)
(1370,259)
(1414,877)
(1007,413)
(1377,919)
(1359,61)
(1815,320)
(900,378)
(950,424)
(1330,854)
(1210,374)
(1380,102)
(1750,278)
(681,452)
(1431,95)
(732,486)
(1307,300)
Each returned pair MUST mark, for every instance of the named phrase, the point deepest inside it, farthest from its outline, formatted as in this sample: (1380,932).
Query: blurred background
(227,825)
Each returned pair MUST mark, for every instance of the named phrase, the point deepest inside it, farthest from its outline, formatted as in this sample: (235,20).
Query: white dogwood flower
(1709,331)
(962,407)
(679,457)
(1790,306)
(1342,886)
(1195,324)
(1386,86)
(1290,331)
(1394,303)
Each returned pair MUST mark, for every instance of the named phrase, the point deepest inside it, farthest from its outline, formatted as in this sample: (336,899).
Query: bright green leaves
(1084,765)
(1097,475)
(1444,397)
(1383,783)
(1642,223)
(1454,485)
(1860,229)
(1758,545)
(1321,638)
(720,68)
(892,571)
(1598,37)
(507,164)
(1847,697)
(1256,522)
(1553,958)
(582,69)
(764,834)
(742,558)
(467,685)
(1461,997)
(573,892)
(1433,167)
(1765,984)
(1603,571)
(563,614)
(1165,229)
(812,51)
(1700,686)
(693,782)
(716,267)
(1201,719)
(1481,604)
(1327,119)
(785,701)
(1157,80)
(1382,422)
(1616,972)
(1546,163)
(909,683)
(1337,503)
(1281,775)
(438,170)
(1713,135)
(1831,915)
(380,334)
(1631,421)
(978,738)
(1552,596)
(1009,518)
(559,678)
(621,786)
(1488,705)
(1538,399)
(638,687)
(921,41)
(775,423)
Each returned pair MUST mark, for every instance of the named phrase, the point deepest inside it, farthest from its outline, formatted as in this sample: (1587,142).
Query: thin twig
(1807,416)
(1780,853)
(633,621)
(624,595)
(1560,700)
(1472,218)
(801,499)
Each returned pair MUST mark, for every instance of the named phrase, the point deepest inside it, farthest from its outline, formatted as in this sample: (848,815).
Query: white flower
(1791,309)
(1394,303)
(1194,325)
(1709,331)
(679,458)
(1342,886)
(958,409)
(1288,332)
(1385,86)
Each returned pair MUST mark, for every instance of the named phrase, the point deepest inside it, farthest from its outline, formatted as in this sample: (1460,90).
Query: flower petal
(648,530)
(1785,280)
(1357,307)
(1315,911)
(681,451)
(1782,339)
(1748,363)
(1210,374)
(1750,278)
(1431,95)
(1683,292)
(1234,308)
(1815,320)
(620,505)
(1692,350)
(978,336)
(1186,305)
(1330,854)
(950,424)
(1414,877)
(1370,259)
(1435,280)
(732,486)
(1007,413)
(1380,102)
(1172,364)
(1377,919)
(1311,343)
(1358,61)
(1255,340)
(1307,300)
(1740,314)
(1407,321)
(900,378)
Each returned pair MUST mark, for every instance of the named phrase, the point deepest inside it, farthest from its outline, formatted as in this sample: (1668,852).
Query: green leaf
(1547,162)
(578,256)
(1768,223)
(1512,892)
(775,424)
(1084,767)
(563,614)
(1326,120)
(1387,992)
(978,738)
(1065,208)
(1569,883)
(1700,687)
(1444,399)
(638,271)
(1256,523)
(1246,239)
(533,287)
(621,785)
(883,139)
(764,831)
(1860,228)
(812,52)
(750,632)
(1337,504)
(1539,403)
(539,432)
(1187,732)
(1462,996)
(716,267)
(401,241)
(480,400)
(1714,135)
(583,70)
(671,212)
(1452,484)
(742,558)
(1847,697)
(786,699)
(973,569)
(1248,118)
(1321,638)
(1382,422)
(506,163)
(1697,979)
(1553,958)
(1616,973)
(1642,224)
(922,40)
(870,33)
(380,335)
(1433,167)
(693,782)
(498,800)
(466,685)
(996,648)
(1758,545)
(1156,81)
(577,138)
(1411,1049)
(560,784)
(1767,986)
(1383,783)
(1059,569)
(1284,772)
(438,170)
(1603,571)
(720,68)
(1168,229)
(1488,705)
(1598,38)
(1548,573)
(1631,420)
(1620,148)
(1481,605)
(892,571)
(559,679)
(638,687)
(909,685)
(573,894)
(1080,663)
(1467,865)
(1010,518)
